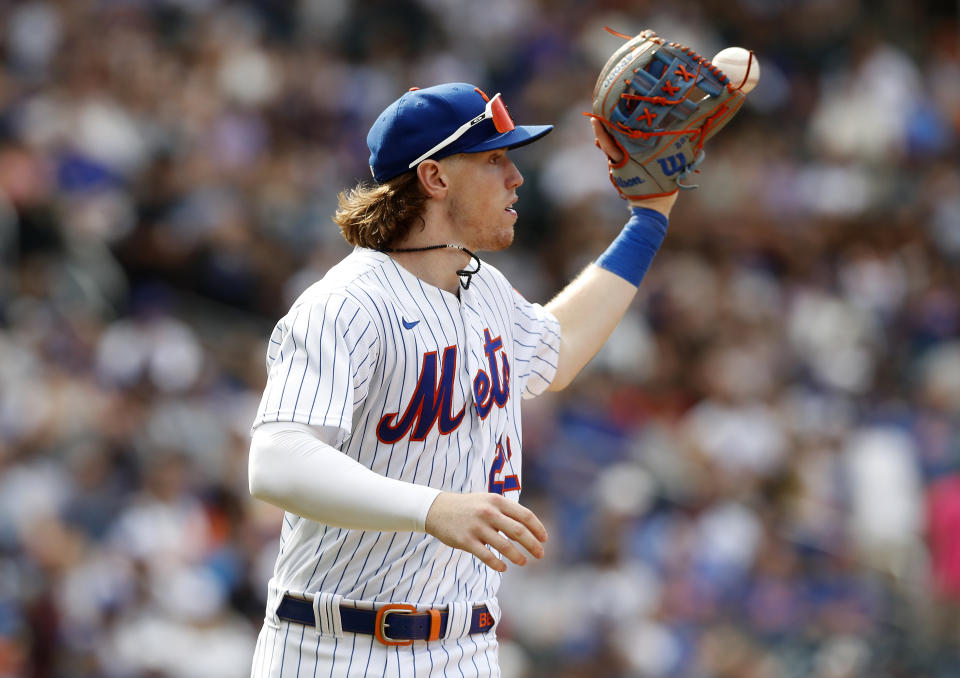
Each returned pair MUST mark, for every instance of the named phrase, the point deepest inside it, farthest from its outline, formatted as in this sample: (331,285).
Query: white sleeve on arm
(536,346)
(292,467)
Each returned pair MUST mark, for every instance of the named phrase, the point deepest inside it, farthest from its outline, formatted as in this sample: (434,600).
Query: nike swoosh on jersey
(409,325)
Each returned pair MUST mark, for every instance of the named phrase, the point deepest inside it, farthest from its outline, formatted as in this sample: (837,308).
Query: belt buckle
(380,624)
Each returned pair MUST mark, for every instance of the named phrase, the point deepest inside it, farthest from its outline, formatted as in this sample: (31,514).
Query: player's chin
(504,238)
(496,238)
(510,220)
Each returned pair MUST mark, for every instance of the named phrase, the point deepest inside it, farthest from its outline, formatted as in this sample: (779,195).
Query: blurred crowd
(758,477)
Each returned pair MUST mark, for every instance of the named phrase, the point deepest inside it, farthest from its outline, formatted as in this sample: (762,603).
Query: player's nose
(514,178)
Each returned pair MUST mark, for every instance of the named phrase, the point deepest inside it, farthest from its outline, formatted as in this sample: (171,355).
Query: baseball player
(389,429)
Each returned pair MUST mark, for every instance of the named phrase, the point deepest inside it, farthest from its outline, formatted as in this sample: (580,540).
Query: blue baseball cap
(422,118)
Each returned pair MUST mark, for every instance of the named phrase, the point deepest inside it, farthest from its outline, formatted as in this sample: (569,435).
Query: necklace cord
(463,273)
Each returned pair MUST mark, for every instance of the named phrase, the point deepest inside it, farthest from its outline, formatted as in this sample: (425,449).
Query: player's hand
(605,142)
(473,522)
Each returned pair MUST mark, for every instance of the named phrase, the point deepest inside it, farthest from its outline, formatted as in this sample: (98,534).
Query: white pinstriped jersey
(423,387)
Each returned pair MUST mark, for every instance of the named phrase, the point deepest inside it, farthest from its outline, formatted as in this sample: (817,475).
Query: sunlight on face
(481,198)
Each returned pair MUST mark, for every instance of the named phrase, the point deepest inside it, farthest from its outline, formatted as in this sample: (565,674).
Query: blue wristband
(629,256)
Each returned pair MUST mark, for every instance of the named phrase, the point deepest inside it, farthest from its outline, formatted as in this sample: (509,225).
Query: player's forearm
(590,307)
(294,469)
(588,310)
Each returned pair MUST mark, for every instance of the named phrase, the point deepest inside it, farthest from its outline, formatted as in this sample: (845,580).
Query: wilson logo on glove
(673,164)
(626,183)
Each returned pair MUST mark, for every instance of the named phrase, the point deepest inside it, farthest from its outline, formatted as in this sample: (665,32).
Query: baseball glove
(660,101)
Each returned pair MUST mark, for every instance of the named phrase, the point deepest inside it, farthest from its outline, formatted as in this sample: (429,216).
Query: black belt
(404,622)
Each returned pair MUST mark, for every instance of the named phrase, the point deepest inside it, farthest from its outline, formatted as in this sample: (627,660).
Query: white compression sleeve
(292,467)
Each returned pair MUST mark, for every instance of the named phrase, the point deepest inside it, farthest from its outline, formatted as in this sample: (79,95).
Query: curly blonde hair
(380,215)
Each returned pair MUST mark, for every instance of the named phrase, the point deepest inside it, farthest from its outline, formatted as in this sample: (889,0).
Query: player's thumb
(606,142)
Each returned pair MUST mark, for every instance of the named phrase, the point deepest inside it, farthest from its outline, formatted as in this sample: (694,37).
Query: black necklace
(463,273)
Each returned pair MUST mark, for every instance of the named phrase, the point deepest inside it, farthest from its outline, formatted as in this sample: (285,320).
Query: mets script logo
(432,401)
(490,389)
(431,404)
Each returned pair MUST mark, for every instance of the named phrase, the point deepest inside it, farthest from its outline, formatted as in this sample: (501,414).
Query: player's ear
(433,178)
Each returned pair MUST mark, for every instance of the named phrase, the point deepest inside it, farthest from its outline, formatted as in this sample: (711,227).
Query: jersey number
(509,483)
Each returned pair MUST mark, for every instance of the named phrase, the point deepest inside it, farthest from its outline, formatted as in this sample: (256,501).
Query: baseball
(740,65)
